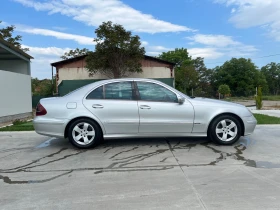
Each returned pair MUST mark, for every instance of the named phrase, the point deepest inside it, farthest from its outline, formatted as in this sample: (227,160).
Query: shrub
(258,98)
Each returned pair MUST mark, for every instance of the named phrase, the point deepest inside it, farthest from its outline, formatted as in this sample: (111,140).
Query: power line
(266,56)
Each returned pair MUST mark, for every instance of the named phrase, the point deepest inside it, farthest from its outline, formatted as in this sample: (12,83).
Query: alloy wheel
(83,133)
(226,130)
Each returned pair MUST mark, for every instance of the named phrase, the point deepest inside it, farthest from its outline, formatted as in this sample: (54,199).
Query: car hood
(214,102)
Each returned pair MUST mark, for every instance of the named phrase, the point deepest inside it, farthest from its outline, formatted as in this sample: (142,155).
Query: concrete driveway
(38,172)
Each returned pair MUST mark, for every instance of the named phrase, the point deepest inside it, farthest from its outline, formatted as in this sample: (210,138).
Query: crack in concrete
(122,164)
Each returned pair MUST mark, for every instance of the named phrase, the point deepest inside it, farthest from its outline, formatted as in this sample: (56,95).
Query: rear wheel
(84,133)
(225,130)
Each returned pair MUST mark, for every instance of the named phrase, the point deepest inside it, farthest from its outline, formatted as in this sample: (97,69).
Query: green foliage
(258,98)
(241,75)
(117,53)
(272,74)
(18,122)
(75,53)
(224,89)
(42,87)
(265,119)
(179,56)
(25,126)
(7,34)
(190,73)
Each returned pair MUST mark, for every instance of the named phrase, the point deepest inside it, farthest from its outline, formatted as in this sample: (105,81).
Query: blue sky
(214,29)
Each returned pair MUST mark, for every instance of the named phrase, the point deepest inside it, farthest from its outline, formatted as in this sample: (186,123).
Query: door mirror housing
(181,100)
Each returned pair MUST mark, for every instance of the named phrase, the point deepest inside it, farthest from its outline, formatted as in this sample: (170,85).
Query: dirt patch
(267,105)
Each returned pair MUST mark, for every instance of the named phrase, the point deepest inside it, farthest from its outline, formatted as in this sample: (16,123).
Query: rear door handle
(145,107)
(97,106)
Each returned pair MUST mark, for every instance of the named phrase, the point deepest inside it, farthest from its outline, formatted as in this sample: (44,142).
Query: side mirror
(181,100)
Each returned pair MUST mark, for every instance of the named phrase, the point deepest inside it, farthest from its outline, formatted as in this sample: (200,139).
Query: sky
(216,30)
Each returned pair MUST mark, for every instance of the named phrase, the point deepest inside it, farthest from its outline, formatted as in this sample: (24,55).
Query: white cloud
(219,45)
(144,43)
(158,48)
(84,40)
(213,40)
(252,13)
(233,10)
(208,53)
(94,12)
(43,57)
(46,51)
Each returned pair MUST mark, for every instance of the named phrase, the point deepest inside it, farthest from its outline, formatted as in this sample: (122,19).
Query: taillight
(40,110)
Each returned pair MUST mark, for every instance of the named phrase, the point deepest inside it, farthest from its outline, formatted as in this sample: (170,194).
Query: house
(72,74)
(15,83)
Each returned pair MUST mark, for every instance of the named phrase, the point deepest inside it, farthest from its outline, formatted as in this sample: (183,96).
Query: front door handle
(145,107)
(97,106)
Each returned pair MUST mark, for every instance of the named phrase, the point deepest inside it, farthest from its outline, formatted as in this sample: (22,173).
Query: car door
(115,106)
(160,111)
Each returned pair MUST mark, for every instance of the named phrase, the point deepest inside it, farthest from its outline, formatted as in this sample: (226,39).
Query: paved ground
(37,172)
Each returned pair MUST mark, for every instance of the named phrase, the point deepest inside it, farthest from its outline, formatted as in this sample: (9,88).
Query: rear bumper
(249,124)
(50,127)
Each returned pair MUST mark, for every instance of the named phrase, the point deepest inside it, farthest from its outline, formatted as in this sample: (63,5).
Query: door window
(154,92)
(117,91)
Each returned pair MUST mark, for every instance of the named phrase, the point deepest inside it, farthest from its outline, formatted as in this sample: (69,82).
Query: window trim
(134,97)
(138,93)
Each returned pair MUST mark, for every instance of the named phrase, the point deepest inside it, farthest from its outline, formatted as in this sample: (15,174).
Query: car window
(96,94)
(119,91)
(154,92)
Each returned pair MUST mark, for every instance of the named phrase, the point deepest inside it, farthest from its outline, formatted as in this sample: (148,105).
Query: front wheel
(84,133)
(225,130)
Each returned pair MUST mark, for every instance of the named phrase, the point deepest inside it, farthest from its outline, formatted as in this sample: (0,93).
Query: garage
(15,83)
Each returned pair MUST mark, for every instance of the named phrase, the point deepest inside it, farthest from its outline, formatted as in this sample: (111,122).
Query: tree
(117,53)
(190,73)
(7,34)
(179,56)
(224,90)
(186,76)
(42,87)
(75,53)
(258,98)
(272,75)
(205,80)
(241,75)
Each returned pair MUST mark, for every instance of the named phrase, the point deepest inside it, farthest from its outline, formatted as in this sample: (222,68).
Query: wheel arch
(231,114)
(81,117)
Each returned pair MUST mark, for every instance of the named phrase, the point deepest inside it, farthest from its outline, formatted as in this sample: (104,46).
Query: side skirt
(154,135)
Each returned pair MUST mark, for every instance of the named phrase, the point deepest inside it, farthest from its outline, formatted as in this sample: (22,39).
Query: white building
(15,83)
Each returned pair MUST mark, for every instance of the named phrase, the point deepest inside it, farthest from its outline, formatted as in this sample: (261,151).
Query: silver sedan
(127,108)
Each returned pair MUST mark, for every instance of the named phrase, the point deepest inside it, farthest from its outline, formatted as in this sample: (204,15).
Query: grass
(28,126)
(265,119)
(24,126)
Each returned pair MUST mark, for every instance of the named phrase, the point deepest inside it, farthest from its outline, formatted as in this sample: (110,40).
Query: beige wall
(15,92)
(82,73)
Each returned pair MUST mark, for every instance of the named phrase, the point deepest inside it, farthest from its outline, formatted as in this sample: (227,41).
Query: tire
(225,130)
(84,134)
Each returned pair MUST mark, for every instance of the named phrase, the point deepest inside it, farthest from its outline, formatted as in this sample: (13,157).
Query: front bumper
(50,127)
(249,124)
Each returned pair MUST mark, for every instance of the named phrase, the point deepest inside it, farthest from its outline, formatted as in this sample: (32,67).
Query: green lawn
(265,119)
(26,126)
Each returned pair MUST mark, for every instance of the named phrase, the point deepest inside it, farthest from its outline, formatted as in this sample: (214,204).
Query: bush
(258,98)
(18,122)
